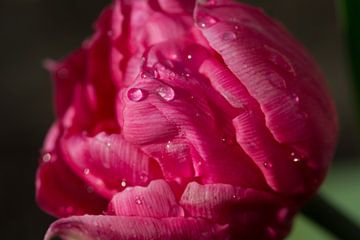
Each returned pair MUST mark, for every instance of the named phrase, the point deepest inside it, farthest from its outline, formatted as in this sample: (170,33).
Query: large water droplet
(136,94)
(46,157)
(86,171)
(166,92)
(229,36)
(206,21)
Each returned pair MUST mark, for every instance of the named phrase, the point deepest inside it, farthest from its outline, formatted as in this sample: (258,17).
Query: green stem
(350,14)
(320,211)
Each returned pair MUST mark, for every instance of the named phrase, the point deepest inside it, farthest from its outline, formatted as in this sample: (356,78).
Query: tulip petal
(139,228)
(249,212)
(278,73)
(58,190)
(156,200)
(107,162)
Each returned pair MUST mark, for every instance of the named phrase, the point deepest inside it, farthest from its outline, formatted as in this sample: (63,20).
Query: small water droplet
(236,27)
(86,171)
(168,145)
(207,2)
(138,201)
(229,36)
(108,144)
(150,73)
(296,158)
(166,92)
(46,157)
(206,21)
(123,183)
(189,56)
(144,177)
(267,165)
(223,139)
(176,211)
(234,196)
(136,94)
(295,97)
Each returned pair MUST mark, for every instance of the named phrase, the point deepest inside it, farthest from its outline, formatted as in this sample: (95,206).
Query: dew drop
(296,158)
(46,157)
(150,73)
(234,196)
(123,183)
(176,211)
(136,94)
(295,97)
(206,21)
(189,56)
(108,145)
(144,177)
(138,201)
(229,36)
(166,92)
(236,27)
(168,145)
(267,165)
(207,2)
(86,171)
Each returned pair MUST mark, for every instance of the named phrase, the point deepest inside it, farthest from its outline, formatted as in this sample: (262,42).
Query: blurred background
(33,30)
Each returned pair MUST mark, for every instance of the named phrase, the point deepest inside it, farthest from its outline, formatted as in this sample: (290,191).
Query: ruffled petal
(108,163)
(139,228)
(58,190)
(278,73)
(251,214)
(156,200)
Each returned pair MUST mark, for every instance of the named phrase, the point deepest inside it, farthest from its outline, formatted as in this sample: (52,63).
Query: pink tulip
(184,120)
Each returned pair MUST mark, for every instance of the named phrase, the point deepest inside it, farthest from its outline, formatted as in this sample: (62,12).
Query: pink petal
(108,163)
(249,212)
(139,228)
(278,73)
(189,133)
(156,200)
(58,190)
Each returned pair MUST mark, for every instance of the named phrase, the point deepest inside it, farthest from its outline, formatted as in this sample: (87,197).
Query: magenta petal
(58,190)
(278,73)
(139,228)
(249,212)
(156,200)
(107,162)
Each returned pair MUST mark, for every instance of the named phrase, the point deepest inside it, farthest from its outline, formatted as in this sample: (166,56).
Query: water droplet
(138,201)
(207,2)
(46,157)
(136,94)
(267,165)
(229,36)
(166,92)
(206,21)
(296,158)
(236,27)
(199,163)
(234,196)
(86,171)
(108,145)
(176,211)
(123,183)
(189,56)
(150,73)
(168,145)
(144,177)
(295,97)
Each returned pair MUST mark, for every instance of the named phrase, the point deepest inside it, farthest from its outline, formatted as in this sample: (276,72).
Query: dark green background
(32,30)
